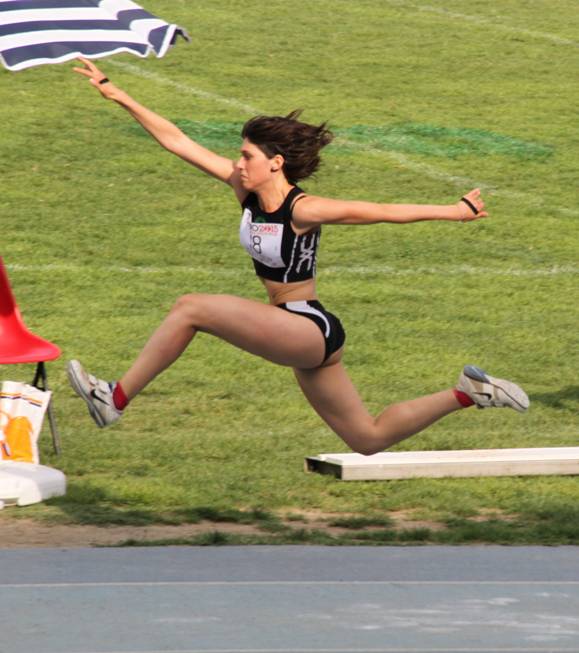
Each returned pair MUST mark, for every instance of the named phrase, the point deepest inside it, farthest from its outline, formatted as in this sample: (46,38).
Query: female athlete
(280,229)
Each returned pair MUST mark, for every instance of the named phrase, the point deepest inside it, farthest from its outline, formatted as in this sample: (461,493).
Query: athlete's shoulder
(295,195)
(296,191)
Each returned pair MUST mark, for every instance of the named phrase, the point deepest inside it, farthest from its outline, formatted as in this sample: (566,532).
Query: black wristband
(470,205)
(104,80)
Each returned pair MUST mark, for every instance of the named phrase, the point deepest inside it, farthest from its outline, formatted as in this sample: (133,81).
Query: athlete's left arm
(313,211)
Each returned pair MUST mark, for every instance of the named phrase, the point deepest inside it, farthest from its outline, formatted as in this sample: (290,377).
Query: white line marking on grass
(481,20)
(461,182)
(461,270)
(400,159)
(185,88)
(360,270)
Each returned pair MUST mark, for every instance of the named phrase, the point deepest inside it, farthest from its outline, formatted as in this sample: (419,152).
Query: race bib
(262,240)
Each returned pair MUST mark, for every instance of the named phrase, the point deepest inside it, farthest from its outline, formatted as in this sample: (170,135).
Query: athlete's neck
(272,195)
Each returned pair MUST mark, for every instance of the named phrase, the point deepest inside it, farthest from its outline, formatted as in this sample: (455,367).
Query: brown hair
(298,142)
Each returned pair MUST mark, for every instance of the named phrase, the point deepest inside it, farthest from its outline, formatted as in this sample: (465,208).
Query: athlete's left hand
(468,213)
(97,78)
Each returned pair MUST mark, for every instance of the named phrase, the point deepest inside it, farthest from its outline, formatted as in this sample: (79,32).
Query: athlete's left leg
(261,329)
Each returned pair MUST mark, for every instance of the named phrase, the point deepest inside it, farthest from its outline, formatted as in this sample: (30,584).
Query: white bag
(22,409)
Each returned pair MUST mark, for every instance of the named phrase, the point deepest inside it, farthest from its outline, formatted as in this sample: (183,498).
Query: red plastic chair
(18,345)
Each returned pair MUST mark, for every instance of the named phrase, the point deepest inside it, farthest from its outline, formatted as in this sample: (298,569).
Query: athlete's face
(255,167)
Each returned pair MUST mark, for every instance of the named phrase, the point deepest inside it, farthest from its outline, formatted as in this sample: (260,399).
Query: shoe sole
(515,393)
(74,373)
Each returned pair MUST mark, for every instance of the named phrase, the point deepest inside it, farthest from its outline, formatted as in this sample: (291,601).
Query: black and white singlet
(278,253)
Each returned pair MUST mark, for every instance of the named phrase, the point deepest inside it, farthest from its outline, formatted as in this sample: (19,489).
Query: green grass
(102,230)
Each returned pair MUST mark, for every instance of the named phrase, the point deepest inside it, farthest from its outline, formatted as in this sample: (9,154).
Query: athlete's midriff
(280,293)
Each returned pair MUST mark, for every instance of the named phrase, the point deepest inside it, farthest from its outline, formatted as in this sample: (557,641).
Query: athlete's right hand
(96,77)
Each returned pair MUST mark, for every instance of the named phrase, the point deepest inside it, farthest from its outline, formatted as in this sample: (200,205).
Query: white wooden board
(439,464)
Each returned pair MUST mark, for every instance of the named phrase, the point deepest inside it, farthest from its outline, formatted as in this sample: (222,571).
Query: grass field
(102,231)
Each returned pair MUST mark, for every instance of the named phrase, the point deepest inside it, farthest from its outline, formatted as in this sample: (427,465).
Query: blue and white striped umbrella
(35,32)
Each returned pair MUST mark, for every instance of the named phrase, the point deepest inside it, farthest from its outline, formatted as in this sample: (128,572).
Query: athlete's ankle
(120,399)
(463,399)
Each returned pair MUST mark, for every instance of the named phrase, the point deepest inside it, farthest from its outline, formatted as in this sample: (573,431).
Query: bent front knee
(368,449)
(367,442)
(190,309)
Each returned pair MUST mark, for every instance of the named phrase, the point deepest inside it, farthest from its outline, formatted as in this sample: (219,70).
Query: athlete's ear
(277,162)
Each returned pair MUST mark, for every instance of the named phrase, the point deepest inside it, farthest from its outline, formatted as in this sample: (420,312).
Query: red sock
(463,399)
(119,397)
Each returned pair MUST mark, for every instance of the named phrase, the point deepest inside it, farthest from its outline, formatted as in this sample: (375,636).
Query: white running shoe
(98,394)
(488,392)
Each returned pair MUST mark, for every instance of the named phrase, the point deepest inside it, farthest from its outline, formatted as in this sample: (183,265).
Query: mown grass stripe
(418,138)
(399,158)
(440,141)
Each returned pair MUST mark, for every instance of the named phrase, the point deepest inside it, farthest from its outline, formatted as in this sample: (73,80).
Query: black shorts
(330,325)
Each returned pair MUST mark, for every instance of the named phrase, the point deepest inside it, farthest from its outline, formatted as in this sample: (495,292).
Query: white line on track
(297,583)
(492,22)
(352,650)
(330,270)
(397,157)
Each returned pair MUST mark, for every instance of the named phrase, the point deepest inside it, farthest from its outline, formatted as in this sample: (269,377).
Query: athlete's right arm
(165,132)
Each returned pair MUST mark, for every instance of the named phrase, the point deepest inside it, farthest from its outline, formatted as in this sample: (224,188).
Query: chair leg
(40,375)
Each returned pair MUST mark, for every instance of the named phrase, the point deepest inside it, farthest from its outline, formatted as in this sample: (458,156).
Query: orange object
(17,443)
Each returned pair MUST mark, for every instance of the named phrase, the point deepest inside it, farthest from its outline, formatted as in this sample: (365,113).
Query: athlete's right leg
(261,329)
(334,397)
